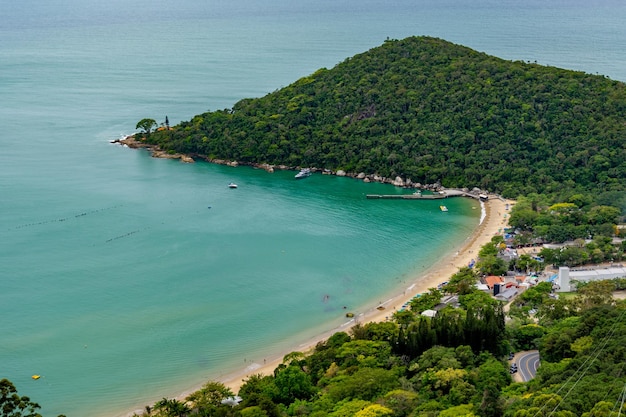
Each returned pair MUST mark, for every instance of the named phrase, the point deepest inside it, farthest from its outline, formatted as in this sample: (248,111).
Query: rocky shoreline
(131,142)
(156,152)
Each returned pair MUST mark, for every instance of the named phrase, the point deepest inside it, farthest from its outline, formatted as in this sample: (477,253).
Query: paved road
(527,364)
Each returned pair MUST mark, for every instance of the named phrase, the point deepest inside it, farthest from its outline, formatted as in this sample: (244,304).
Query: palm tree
(172,408)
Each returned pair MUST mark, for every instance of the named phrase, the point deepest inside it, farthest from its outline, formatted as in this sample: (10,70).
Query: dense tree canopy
(431,111)
(454,364)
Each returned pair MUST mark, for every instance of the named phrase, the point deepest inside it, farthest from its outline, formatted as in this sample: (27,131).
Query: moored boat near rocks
(132,142)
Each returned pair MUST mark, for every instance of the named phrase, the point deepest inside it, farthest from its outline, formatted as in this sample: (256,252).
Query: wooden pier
(419,196)
(406,196)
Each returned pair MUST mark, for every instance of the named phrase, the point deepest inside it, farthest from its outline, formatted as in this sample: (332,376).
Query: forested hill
(431,111)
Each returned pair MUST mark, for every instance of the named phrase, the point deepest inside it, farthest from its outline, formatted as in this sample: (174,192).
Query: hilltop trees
(431,111)
(146,125)
(424,109)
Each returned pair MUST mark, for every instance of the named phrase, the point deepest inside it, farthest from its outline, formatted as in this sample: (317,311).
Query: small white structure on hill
(429,313)
(563,281)
(566,276)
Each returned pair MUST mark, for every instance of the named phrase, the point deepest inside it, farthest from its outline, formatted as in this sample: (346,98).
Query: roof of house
(597,274)
(491,280)
(507,294)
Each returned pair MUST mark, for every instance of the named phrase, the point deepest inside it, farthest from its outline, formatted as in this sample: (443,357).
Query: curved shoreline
(493,220)
(130,141)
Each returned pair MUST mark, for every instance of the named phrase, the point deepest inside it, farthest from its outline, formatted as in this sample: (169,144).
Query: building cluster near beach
(507,286)
(502,288)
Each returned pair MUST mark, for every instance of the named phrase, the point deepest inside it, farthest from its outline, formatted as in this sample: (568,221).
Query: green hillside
(430,111)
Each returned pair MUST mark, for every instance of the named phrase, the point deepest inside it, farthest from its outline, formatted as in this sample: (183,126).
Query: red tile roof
(492,280)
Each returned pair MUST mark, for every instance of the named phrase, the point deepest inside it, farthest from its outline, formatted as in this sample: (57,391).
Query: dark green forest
(453,365)
(432,112)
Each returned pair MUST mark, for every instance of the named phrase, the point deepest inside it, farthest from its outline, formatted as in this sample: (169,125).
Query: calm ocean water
(125,278)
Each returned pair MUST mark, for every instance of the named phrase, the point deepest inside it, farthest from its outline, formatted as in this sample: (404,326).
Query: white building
(566,276)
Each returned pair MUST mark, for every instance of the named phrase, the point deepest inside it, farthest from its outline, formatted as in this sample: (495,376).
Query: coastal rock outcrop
(398,182)
(267,168)
(133,142)
(156,152)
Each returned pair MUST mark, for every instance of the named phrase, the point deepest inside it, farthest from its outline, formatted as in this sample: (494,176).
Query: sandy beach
(494,218)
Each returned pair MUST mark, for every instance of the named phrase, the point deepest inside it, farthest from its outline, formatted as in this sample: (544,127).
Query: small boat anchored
(443,208)
(304,172)
(232,185)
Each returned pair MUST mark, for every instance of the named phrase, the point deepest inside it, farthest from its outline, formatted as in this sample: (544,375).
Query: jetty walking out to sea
(434,196)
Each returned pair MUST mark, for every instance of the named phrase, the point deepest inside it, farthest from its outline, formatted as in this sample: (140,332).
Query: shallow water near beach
(126,278)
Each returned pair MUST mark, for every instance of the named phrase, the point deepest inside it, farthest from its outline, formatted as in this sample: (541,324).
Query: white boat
(443,208)
(232,185)
(304,172)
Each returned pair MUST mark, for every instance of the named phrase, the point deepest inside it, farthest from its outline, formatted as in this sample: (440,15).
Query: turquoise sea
(123,278)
